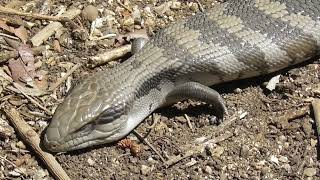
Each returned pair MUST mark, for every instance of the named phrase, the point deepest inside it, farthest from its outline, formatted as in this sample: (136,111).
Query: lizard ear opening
(197,91)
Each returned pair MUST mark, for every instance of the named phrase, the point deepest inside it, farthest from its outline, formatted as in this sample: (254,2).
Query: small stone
(215,151)
(180,119)
(40,174)
(151,160)
(237,91)
(128,21)
(201,140)
(20,145)
(194,6)
(244,151)
(274,159)
(91,162)
(191,163)
(283,159)
(313,142)
(208,170)
(145,170)
(287,167)
(136,15)
(175,5)
(14,173)
(90,13)
(310,172)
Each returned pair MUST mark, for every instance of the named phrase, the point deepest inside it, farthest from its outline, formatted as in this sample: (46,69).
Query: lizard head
(94,112)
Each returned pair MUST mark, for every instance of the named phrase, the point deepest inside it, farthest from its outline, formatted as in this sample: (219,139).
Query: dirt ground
(267,135)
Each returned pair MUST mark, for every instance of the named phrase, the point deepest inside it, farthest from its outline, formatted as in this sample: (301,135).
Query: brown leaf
(22,33)
(18,71)
(4,26)
(27,57)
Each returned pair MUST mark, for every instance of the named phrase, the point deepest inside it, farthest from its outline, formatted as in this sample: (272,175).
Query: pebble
(244,151)
(90,13)
(193,6)
(40,175)
(310,172)
(6,130)
(14,173)
(191,163)
(136,15)
(208,170)
(218,151)
(21,145)
(128,21)
(283,159)
(90,162)
(274,159)
(145,169)
(313,142)
(237,91)
(175,5)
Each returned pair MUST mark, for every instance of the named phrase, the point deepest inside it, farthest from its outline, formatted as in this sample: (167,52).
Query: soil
(267,134)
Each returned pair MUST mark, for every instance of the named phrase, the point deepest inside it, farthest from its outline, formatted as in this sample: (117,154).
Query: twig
(65,77)
(107,36)
(188,121)
(108,56)
(197,149)
(229,121)
(5,10)
(200,6)
(124,6)
(32,100)
(53,27)
(3,158)
(31,138)
(218,139)
(144,140)
(9,36)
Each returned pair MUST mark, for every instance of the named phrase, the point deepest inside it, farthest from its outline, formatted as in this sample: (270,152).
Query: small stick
(33,100)
(31,138)
(53,27)
(200,6)
(194,150)
(108,56)
(104,37)
(197,149)
(144,140)
(9,36)
(188,121)
(5,10)
(124,6)
(316,110)
(65,77)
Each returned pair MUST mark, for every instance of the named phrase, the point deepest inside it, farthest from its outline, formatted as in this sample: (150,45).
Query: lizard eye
(86,128)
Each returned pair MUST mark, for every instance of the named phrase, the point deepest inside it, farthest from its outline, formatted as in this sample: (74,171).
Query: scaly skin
(234,40)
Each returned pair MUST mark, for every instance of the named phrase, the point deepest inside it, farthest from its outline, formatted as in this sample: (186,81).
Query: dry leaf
(27,57)
(18,71)
(22,33)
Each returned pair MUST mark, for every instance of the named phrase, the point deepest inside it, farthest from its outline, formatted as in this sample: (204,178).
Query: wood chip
(31,138)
